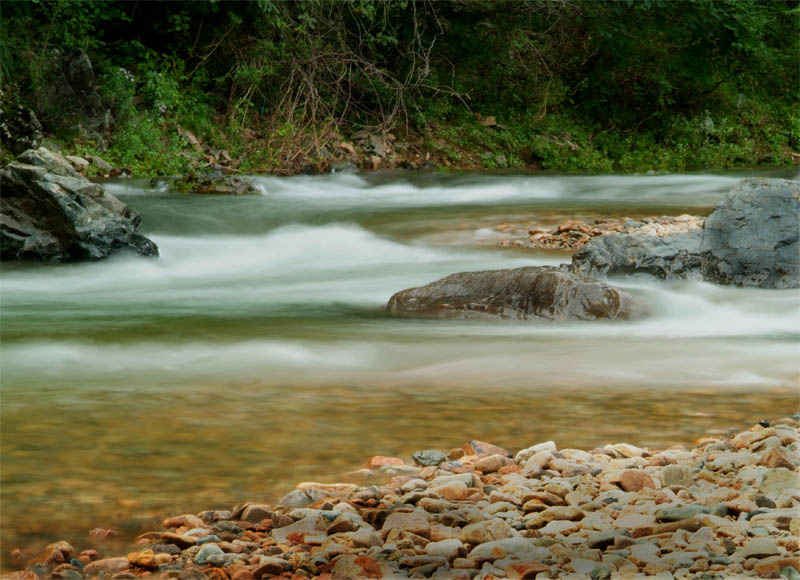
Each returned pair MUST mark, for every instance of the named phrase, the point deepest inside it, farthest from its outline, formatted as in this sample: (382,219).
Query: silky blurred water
(254,352)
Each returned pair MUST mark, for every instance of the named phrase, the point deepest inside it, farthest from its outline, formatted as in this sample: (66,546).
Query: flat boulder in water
(666,257)
(534,292)
(751,238)
(49,212)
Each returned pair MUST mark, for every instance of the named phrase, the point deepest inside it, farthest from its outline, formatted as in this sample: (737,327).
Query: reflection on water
(254,354)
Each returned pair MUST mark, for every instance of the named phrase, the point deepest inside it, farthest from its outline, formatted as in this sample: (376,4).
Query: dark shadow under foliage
(573,85)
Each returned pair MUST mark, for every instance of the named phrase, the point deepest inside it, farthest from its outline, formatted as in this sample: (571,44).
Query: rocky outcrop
(523,293)
(751,239)
(666,257)
(20,129)
(49,212)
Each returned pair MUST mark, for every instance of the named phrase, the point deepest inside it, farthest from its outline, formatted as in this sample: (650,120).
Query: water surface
(254,352)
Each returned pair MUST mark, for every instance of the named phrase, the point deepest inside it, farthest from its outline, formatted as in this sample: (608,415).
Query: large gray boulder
(751,238)
(535,292)
(49,212)
(666,257)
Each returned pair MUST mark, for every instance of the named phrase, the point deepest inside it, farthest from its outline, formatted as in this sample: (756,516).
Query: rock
(103,165)
(760,548)
(49,212)
(327,490)
(65,548)
(345,522)
(517,548)
(604,539)
(486,531)
(753,236)
(541,292)
(108,566)
(668,257)
(492,463)
(20,129)
(775,566)
(689,524)
(538,520)
(271,566)
(143,559)
(295,532)
(352,567)
(449,549)
(187,520)
(70,98)
(378,461)
(296,499)
(428,457)
(635,480)
(675,514)
(525,570)
(415,522)
(482,448)
(776,481)
(254,513)
(777,458)
(677,475)
(558,528)
(179,540)
(522,456)
(454,491)
(206,552)
(216,185)
(627,450)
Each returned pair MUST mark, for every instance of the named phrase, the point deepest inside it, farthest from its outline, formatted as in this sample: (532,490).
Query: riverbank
(726,507)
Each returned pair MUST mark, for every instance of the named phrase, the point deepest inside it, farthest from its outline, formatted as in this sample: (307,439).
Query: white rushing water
(287,287)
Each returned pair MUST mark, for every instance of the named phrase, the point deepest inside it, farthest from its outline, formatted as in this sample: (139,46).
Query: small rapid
(299,297)
(255,353)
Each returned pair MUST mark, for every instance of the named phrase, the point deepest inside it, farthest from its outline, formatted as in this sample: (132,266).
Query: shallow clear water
(254,352)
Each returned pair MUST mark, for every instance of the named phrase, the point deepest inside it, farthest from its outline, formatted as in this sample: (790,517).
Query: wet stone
(428,457)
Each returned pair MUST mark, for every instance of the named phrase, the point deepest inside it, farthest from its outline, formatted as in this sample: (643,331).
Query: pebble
(107,566)
(678,475)
(428,457)
(716,511)
(486,531)
(415,522)
(517,548)
(635,480)
(760,548)
(206,552)
(602,540)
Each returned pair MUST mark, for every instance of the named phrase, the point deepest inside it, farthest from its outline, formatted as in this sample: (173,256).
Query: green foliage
(576,85)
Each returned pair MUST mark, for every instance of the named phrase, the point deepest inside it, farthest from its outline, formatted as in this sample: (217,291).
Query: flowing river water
(253,354)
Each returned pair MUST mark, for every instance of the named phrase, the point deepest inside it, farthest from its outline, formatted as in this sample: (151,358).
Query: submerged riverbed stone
(753,236)
(534,292)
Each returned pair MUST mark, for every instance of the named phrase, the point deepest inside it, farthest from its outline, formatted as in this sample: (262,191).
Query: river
(253,354)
